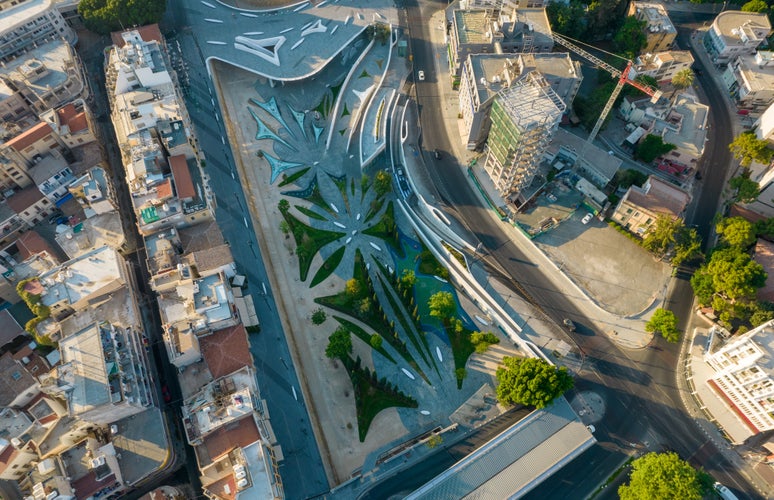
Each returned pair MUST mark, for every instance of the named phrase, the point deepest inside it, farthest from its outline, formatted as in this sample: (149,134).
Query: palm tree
(682,80)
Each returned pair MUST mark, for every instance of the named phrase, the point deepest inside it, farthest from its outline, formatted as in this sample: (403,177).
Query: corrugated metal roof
(516,460)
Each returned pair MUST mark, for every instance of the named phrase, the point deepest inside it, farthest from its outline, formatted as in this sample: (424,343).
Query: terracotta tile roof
(183,182)
(147,33)
(200,237)
(662,197)
(31,243)
(34,286)
(226,351)
(240,434)
(30,136)
(78,123)
(88,485)
(36,365)
(24,199)
(164,190)
(66,113)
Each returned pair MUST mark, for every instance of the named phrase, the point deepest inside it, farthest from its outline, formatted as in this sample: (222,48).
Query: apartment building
(524,118)
(734,33)
(227,424)
(495,31)
(750,80)
(764,126)
(660,33)
(73,123)
(663,66)
(682,122)
(190,270)
(164,173)
(744,379)
(31,205)
(501,4)
(485,75)
(47,76)
(25,23)
(641,206)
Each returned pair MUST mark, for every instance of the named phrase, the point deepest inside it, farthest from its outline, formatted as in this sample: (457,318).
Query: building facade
(662,66)
(750,80)
(524,118)
(660,33)
(641,206)
(734,33)
(24,23)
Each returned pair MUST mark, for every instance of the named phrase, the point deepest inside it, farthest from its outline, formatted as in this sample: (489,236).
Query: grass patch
(309,213)
(316,197)
(428,264)
(309,241)
(364,74)
(410,331)
(373,315)
(372,395)
(345,111)
(364,336)
(290,179)
(253,329)
(612,477)
(461,346)
(330,265)
(376,206)
(341,183)
(387,230)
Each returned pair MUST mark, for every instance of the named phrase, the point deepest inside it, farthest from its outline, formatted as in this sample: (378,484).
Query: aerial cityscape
(386,249)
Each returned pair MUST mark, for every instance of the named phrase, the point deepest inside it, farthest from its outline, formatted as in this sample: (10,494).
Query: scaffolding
(524,118)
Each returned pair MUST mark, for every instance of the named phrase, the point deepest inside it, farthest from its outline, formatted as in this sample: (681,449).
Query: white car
(586,218)
(421,75)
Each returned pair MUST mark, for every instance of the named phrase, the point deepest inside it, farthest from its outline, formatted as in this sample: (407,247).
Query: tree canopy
(339,344)
(382,183)
(755,6)
(747,190)
(683,79)
(531,382)
(664,322)
(104,16)
(662,233)
(651,147)
(736,232)
(662,476)
(442,305)
(730,272)
(626,177)
(630,38)
(748,148)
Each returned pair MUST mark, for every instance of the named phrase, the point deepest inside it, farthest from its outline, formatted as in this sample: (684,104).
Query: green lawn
(461,347)
(328,267)
(309,213)
(309,241)
(290,179)
(363,335)
(387,230)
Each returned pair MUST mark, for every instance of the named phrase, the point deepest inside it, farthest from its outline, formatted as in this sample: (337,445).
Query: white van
(724,492)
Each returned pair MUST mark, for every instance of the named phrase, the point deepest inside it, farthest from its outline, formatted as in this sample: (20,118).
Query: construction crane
(623,79)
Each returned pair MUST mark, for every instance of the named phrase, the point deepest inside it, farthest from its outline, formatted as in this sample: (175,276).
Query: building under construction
(524,118)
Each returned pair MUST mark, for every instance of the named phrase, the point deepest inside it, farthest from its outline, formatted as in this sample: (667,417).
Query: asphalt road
(302,470)
(643,405)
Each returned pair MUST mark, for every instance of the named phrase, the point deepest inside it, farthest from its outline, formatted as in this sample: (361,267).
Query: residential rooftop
(659,197)
(55,56)
(656,16)
(757,71)
(687,127)
(23,12)
(729,23)
(224,400)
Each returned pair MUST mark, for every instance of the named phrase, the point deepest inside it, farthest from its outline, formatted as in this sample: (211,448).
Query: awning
(60,201)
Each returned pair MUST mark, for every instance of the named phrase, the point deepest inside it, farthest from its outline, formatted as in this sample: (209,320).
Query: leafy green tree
(764,228)
(482,340)
(319,316)
(364,306)
(687,247)
(747,190)
(339,344)
(652,147)
(625,178)
(283,205)
(104,16)
(434,441)
(733,274)
(630,38)
(755,6)
(748,148)
(736,232)
(703,286)
(662,476)
(408,279)
(382,183)
(567,19)
(442,305)
(531,382)
(664,322)
(376,341)
(284,227)
(662,234)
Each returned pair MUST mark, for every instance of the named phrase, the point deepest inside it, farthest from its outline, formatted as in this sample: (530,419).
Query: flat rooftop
(55,56)
(729,22)
(691,135)
(87,372)
(79,278)
(22,12)
(472,25)
(597,158)
(757,70)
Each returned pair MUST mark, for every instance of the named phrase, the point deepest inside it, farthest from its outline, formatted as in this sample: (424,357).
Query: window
(16,375)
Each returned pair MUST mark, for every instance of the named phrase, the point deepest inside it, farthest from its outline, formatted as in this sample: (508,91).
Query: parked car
(54,217)
(421,75)
(586,218)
